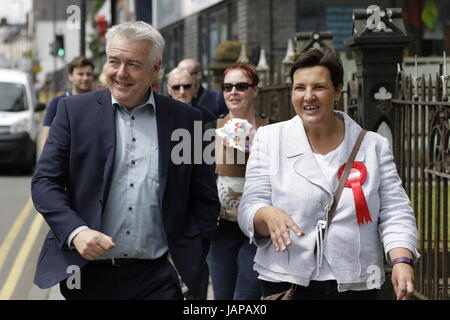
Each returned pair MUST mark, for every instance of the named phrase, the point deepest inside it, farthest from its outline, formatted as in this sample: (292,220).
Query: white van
(19,120)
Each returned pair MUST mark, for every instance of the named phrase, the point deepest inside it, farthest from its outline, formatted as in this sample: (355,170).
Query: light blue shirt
(132,217)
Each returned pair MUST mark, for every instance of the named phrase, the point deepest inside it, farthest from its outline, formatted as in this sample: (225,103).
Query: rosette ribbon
(357,176)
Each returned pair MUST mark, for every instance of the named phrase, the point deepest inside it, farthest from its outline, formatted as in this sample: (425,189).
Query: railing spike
(263,69)
(243,55)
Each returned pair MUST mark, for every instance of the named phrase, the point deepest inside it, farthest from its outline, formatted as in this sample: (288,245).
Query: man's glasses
(178,86)
(241,86)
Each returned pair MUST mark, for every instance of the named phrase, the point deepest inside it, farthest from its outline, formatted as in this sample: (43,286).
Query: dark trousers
(143,280)
(202,291)
(230,261)
(318,290)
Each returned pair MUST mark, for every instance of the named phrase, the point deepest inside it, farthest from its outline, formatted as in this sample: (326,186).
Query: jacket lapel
(104,113)
(302,157)
(164,121)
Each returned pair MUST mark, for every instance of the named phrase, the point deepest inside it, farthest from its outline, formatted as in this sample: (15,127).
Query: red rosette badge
(357,176)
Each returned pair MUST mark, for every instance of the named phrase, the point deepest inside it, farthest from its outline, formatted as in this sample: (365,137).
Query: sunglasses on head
(241,86)
(185,86)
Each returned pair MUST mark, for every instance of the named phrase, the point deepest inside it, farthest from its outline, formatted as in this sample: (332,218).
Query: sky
(14,10)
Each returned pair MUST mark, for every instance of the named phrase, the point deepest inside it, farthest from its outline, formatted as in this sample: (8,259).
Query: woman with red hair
(231,255)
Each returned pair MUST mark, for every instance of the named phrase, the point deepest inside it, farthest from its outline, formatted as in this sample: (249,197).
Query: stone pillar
(378,39)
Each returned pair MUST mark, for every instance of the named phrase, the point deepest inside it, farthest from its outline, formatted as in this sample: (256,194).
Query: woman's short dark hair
(321,57)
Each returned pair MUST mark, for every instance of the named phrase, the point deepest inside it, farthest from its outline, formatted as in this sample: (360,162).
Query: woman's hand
(402,274)
(274,222)
(403,280)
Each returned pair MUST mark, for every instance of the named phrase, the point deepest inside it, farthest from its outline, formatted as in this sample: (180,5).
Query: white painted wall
(44,37)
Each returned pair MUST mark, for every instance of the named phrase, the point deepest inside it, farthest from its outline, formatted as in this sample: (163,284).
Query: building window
(173,52)
(311,16)
(216,25)
(327,16)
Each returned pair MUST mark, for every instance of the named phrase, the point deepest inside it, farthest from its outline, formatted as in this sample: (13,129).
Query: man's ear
(157,66)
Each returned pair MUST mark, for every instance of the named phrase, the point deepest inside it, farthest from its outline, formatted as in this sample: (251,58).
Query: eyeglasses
(241,86)
(185,86)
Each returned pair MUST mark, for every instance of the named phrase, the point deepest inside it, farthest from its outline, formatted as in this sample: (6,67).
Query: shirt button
(128,232)
(130,208)
(132,117)
(132,185)
(134,139)
(133,162)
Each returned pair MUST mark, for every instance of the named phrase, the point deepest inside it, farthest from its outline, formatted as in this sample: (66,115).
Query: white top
(230,191)
(329,163)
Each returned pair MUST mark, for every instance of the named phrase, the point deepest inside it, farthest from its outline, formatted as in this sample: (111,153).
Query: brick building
(194,28)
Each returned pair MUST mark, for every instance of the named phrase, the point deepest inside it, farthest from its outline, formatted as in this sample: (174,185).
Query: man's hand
(403,280)
(91,244)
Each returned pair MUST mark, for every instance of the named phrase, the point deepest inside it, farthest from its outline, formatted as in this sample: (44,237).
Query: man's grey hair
(139,31)
(177,71)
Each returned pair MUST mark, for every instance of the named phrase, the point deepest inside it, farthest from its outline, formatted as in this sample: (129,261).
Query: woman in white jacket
(291,176)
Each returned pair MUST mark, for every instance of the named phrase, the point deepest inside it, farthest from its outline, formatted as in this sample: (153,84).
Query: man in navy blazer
(134,223)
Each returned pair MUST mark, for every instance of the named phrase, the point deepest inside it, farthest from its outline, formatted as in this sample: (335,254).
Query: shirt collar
(150,101)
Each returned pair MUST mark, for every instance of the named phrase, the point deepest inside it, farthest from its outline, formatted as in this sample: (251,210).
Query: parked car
(19,120)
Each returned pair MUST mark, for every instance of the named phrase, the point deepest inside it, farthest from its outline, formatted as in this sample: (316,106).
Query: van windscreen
(12,97)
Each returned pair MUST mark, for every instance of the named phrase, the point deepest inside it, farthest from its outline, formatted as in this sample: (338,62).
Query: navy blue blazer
(73,175)
(211,100)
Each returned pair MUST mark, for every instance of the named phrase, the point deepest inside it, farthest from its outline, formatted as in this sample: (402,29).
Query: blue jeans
(230,261)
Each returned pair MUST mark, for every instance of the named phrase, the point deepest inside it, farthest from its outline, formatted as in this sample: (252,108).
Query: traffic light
(57,46)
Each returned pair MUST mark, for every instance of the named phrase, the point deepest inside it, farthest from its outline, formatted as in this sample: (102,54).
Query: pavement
(55,294)
(52,293)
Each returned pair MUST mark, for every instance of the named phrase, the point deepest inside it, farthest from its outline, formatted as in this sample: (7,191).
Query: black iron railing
(421,148)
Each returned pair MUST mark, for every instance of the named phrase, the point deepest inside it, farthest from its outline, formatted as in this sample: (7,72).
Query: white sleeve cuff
(258,240)
(401,244)
(73,234)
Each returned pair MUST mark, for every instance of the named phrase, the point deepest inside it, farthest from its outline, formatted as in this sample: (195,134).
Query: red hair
(246,69)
